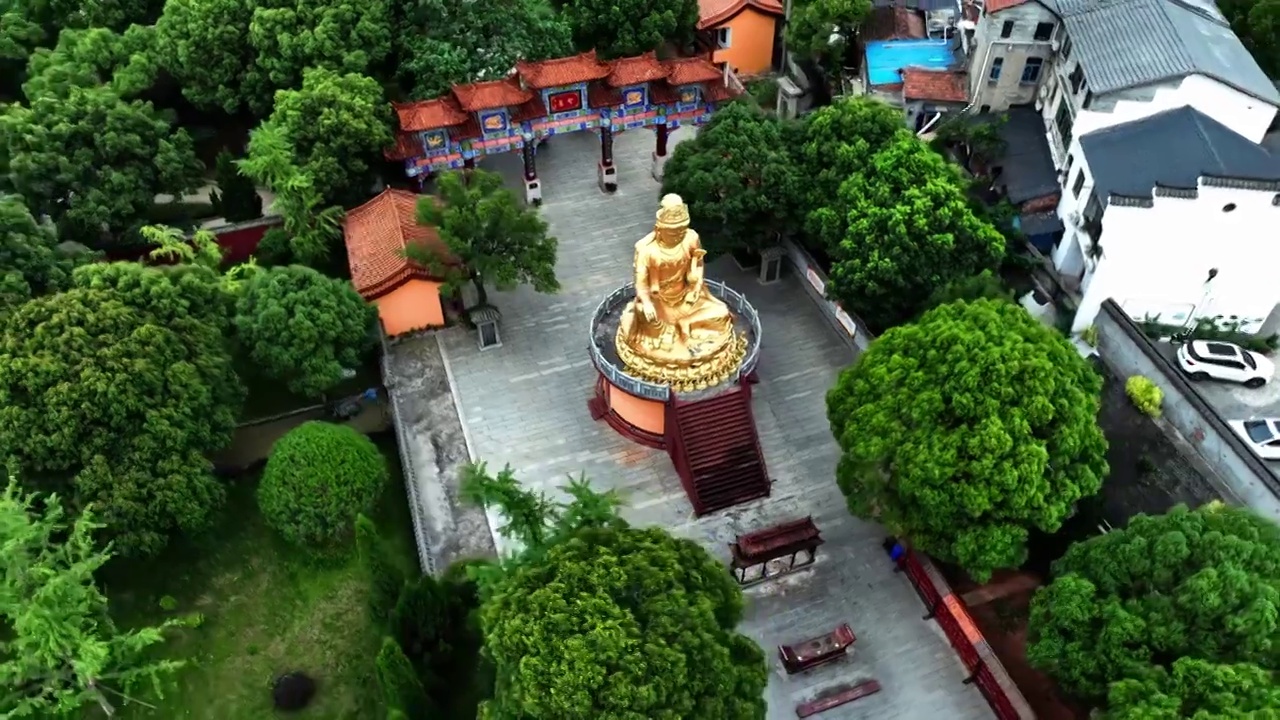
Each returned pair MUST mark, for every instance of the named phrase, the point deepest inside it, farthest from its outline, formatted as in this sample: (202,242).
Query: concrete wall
(1128,352)
(811,277)
(1013,51)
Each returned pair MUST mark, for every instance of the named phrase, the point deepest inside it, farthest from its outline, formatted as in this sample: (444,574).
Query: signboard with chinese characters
(634,97)
(846,322)
(494,121)
(815,280)
(562,102)
(435,141)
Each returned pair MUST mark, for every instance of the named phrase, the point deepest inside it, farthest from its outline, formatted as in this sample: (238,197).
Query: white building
(1173,215)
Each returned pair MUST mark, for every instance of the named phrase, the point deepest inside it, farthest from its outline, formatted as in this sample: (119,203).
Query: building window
(987,108)
(1031,71)
(996,66)
(1077,79)
(1063,122)
(724,37)
(1065,52)
(1078,185)
(1007,29)
(1044,31)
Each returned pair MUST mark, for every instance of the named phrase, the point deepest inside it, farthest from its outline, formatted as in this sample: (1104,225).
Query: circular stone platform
(604,331)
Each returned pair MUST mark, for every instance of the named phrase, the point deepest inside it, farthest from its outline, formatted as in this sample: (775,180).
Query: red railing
(979,660)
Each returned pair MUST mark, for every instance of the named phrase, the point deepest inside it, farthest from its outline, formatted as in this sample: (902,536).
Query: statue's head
(673,220)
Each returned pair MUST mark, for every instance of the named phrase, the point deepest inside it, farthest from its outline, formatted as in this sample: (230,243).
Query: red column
(661,150)
(606,145)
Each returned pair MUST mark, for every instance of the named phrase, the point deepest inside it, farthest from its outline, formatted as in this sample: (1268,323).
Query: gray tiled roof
(1134,157)
(1130,43)
(1029,172)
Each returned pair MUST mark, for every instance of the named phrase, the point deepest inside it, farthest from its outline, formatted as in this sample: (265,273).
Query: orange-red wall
(750,50)
(415,305)
(648,415)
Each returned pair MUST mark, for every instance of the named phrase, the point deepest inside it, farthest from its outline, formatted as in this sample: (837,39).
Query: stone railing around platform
(652,391)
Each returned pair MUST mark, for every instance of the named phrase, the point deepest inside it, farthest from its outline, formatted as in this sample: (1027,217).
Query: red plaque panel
(565,101)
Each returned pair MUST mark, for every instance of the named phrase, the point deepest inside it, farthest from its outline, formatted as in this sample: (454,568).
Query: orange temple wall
(647,415)
(415,305)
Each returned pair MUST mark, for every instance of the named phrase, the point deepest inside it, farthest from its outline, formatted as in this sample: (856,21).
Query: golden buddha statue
(676,332)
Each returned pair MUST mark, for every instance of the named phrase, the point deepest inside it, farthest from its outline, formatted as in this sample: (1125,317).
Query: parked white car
(1206,359)
(1260,434)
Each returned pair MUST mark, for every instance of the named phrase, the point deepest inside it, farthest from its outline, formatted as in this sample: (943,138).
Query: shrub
(319,477)
(1146,396)
(399,683)
(1090,336)
(386,579)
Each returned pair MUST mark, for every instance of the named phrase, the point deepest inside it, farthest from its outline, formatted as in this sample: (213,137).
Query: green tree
(446,43)
(1197,689)
(320,476)
(965,429)
(30,262)
(204,45)
(624,28)
(1257,23)
(302,327)
(632,622)
(401,688)
(386,579)
(290,37)
(495,237)
(1129,604)
(739,179)
(834,142)
(237,198)
(61,650)
(336,127)
(984,285)
(124,403)
(97,56)
(126,152)
(424,622)
(311,230)
(824,29)
(909,229)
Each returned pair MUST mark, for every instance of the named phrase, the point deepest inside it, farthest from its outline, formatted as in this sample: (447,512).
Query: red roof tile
(429,114)
(661,93)
(714,12)
(894,23)
(600,95)
(407,146)
(687,71)
(490,95)
(635,70)
(941,85)
(718,92)
(531,110)
(562,71)
(995,6)
(377,234)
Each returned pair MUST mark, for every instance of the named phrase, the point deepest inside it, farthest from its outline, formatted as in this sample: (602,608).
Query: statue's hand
(649,312)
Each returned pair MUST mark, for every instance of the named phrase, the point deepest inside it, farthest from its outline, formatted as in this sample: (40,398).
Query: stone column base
(608,177)
(659,166)
(533,191)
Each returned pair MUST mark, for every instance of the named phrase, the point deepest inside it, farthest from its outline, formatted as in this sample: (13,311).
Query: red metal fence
(979,660)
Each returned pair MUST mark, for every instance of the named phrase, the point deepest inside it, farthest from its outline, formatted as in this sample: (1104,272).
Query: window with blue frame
(996,66)
(1031,71)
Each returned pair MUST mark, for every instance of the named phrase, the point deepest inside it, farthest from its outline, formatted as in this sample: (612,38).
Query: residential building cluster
(1137,141)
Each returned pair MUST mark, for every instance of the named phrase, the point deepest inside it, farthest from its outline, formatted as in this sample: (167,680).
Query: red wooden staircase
(716,450)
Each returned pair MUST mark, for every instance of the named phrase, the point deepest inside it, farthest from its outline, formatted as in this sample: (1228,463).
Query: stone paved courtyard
(524,404)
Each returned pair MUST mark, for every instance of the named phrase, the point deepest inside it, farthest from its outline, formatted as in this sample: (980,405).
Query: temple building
(559,96)
(406,293)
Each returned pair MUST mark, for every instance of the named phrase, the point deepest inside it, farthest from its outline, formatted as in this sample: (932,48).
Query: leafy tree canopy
(336,126)
(595,619)
(30,262)
(1257,23)
(445,43)
(824,29)
(302,327)
(496,238)
(1201,585)
(624,28)
(61,650)
(122,401)
(909,229)
(237,198)
(963,430)
(94,162)
(739,179)
(1199,690)
(88,58)
(204,45)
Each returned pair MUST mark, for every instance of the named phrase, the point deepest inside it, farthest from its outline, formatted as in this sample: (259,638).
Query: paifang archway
(554,97)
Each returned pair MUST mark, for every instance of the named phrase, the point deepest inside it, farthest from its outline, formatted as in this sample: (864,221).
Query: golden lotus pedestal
(710,368)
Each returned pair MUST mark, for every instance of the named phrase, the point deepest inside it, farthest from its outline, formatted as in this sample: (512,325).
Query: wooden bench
(838,698)
(817,651)
(757,549)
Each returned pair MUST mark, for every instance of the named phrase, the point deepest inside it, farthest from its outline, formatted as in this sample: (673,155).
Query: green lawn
(268,609)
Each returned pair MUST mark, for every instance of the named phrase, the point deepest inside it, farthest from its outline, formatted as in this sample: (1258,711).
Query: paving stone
(525,405)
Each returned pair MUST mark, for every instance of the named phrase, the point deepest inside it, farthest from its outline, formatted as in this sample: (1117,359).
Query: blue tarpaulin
(886,58)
